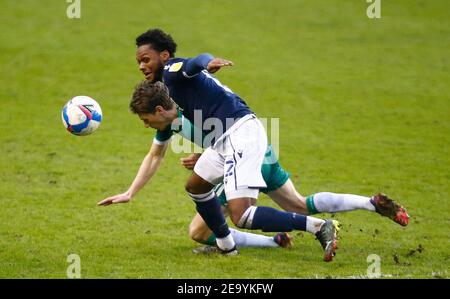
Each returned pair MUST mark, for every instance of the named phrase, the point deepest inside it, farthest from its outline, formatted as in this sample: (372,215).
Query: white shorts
(236,158)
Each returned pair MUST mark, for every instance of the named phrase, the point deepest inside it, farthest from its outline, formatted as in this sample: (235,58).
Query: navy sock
(272,220)
(212,214)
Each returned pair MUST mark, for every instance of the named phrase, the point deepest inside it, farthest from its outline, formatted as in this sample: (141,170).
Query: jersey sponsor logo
(176,67)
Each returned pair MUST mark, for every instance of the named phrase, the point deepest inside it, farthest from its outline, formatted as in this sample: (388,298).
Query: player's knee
(188,187)
(235,218)
(196,185)
(244,219)
(240,209)
(193,188)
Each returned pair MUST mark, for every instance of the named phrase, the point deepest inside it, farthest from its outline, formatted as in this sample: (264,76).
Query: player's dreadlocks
(159,41)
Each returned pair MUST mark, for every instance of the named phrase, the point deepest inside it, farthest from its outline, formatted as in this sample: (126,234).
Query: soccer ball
(82,115)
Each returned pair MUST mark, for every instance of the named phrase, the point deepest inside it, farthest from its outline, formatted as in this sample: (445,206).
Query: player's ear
(159,109)
(164,55)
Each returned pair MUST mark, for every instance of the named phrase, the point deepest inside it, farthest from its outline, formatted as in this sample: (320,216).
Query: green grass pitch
(364,107)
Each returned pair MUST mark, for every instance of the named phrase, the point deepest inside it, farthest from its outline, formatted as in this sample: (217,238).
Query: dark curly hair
(147,96)
(158,40)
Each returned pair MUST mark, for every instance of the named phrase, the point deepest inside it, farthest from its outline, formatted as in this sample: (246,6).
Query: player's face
(151,62)
(157,120)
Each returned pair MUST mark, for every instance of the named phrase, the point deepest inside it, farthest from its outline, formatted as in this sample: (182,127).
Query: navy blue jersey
(203,92)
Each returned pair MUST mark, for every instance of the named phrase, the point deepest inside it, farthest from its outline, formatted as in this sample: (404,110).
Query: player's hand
(189,162)
(119,198)
(217,63)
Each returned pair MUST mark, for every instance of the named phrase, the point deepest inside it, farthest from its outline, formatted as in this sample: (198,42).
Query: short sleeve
(163,137)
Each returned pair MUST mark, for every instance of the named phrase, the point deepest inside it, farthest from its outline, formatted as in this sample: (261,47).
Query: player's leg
(201,191)
(269,219)
(249,145)
(328,202)
(245,214)
(282,191)
(289,199)
(199,232)
(335,202)
(246,152)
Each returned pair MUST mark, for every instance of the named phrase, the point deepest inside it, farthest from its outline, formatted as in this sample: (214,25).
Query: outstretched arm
(205,62)
(148,168)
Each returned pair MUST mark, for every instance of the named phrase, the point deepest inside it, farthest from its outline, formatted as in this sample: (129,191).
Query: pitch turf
(363,104)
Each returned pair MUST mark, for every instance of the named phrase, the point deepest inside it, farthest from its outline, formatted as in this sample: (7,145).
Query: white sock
(333,202)
(244,239)
(226,243)
(313,224)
